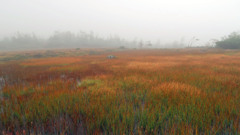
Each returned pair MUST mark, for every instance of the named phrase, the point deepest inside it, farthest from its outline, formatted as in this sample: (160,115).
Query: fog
(156,21)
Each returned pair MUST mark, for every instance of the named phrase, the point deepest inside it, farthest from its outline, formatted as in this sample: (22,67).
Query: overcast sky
(166,20)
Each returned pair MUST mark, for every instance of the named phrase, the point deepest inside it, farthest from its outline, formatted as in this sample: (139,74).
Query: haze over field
(150,20)
(120,67)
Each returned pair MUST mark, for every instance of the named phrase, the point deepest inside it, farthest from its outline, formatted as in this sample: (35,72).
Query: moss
(89,82)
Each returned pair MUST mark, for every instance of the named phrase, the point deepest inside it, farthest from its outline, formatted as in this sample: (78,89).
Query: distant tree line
(232,41)
(84,39)
(21,41)
(67,39)
(64,40)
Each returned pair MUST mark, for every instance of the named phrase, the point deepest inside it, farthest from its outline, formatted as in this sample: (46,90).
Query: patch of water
(2,84)
(78,83)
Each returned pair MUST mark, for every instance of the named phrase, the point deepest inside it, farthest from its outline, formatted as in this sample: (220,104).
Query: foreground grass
(140,92)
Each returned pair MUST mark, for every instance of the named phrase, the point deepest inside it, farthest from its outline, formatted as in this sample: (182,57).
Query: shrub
(230,42)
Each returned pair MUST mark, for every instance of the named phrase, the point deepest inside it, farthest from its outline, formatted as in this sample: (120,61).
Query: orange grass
(51,61)
(184,91)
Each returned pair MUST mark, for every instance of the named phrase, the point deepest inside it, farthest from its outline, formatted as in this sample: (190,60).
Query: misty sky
(166,20)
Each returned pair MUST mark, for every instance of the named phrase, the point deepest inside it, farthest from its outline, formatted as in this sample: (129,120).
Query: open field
(162,91)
